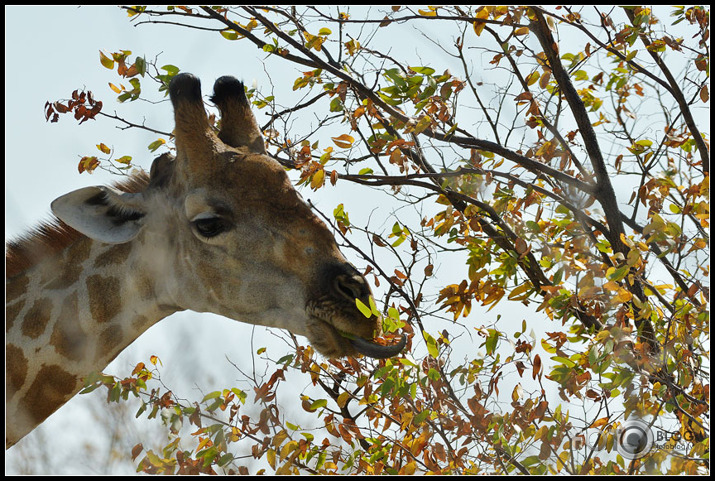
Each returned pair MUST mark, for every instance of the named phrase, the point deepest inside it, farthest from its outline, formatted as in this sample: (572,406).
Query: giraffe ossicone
(217,228)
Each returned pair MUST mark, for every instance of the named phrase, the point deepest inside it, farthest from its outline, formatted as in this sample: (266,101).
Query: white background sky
(51,51)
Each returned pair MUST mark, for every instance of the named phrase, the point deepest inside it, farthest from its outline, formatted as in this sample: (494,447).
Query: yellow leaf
(104,149)
(517,393)
(624,295)
(343,399)
(515,293)
(271,458)
(422,124)
(409,468)
(521,31)
(279,438)
(543,431)
(115,88)
(532,78)
(288,448)
(318,179)
(344,141)
(106,61)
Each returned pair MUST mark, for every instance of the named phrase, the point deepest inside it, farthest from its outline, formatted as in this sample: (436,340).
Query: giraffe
(216,228)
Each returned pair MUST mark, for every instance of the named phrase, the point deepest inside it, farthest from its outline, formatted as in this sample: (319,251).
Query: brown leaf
(537,366)
(136,450)
(521,246)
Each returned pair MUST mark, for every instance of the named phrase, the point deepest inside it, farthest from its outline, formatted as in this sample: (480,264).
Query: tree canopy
(552,158)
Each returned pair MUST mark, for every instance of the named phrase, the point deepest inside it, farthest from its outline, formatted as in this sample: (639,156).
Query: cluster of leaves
(84,107)
(541,220)
(81,104)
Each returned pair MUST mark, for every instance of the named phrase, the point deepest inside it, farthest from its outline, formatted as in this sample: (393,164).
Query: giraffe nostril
(349,287)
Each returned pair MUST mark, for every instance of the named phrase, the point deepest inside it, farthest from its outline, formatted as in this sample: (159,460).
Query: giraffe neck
(67,316)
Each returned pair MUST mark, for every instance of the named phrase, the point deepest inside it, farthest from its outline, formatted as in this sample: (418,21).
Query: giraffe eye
(211,227)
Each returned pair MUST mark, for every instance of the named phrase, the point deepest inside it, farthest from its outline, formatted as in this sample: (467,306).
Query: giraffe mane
(53,236)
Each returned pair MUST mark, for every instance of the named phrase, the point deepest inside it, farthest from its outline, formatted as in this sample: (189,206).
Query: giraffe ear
(101,213)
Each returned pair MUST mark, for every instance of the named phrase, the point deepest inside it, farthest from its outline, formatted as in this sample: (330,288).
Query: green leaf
(140,63)
(106,61)
(336,105)
(156,144)
(431,344)
(318,403)
(373,307)
(423,70)
(230,34)
(580,75)
(491,343)
(211,395)
(363,308)
(565,361)
(171,69)
(225,459)
(617,274)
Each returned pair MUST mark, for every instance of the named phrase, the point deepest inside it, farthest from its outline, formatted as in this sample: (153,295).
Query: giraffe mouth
(331,323)
(373,349)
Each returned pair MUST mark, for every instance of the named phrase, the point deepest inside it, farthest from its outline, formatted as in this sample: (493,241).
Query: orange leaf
(599,422)
(344,141)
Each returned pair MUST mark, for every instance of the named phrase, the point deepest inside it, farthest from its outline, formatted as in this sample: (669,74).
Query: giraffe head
(221,229)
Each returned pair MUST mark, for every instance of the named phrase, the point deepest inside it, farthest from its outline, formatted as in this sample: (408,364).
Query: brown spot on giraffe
(16,287)
(71,267)
(110,342)
(52,387)
(68,337)
(11,313)
(104,297)
(116,255)
(16,369)
(36,318)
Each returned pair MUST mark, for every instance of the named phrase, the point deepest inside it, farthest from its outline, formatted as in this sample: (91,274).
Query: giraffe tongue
(377,351)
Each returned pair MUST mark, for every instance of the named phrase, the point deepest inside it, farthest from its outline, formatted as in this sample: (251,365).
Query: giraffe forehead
(236,181)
